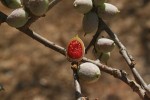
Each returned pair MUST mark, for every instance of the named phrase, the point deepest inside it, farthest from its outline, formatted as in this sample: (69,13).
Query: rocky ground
(31,71)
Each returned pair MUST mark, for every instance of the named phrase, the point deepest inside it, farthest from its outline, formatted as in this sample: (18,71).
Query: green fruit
(13,4)
(107,11)
(88,72)
(90,22)
(17,18)
(83,6)
(102,56)
(104,45)
(99,2)
(38,7)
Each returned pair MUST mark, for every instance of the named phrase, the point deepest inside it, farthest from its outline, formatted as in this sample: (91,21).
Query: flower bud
(107,11)
(83,6)
(102,56)
(88,72)
(104,45)
(90,22)
(13,4)
(17,18)
(38,7)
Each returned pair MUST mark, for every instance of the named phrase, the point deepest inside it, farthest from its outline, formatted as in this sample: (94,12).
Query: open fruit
(75,49)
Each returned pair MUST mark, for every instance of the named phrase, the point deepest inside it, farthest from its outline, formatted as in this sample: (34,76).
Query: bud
(13,4)
(83,6)
(88,72)
(104,45)
(17,18)
(90,22)
(102,56)
(38,7)
(107,11)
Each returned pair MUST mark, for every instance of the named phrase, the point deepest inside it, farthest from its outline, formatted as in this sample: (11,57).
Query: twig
(34,18)
(78,93)
(125,54)
(94,39)
(112,71)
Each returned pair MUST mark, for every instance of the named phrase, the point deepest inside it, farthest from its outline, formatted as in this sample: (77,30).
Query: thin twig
(125,54)
(93,41)
(34,18)
(78,93)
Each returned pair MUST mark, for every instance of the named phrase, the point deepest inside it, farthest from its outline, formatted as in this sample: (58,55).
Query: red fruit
(75,49)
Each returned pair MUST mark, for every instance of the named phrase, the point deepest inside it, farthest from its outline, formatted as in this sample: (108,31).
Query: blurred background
(31,71)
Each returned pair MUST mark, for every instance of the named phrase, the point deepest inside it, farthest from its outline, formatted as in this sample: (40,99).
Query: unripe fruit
(90,22)
(75,49)
(13,4)
(104,45)
(107,11)
(88,72)
(102,56)
(83,6)
(98,2)
(38,7)
(17,18)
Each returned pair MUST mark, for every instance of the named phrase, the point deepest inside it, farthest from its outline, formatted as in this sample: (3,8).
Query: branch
(112,71)
(128,58)
(94,39)
(78,93)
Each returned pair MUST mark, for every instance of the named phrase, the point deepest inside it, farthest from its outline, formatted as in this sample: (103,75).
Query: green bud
(83,6)
(90,22)
(13,4)
(38,7)
(17,18)
(107,11)
(104,45)
(88,72)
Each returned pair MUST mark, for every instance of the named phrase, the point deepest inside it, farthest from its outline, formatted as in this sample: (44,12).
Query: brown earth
(30,71)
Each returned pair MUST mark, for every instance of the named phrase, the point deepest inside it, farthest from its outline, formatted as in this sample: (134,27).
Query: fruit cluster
(92,10)
(19,17)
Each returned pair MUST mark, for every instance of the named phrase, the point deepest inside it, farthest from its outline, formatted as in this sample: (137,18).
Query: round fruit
(17,18)
(107,11)
(90,22)
(38,7)
(98,2)
(75,49)
(102,56)
(104,45)
(13,4)
(83,6)
(88,72)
